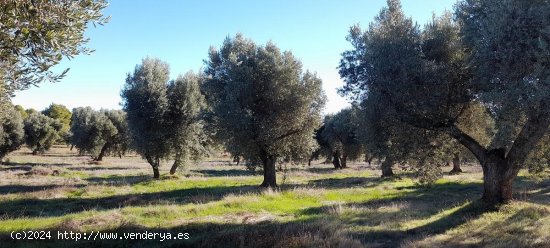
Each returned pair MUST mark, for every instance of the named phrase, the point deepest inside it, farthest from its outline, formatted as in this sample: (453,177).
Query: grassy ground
(219,204)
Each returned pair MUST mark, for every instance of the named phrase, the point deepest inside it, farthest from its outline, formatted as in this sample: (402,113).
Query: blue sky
(180,32)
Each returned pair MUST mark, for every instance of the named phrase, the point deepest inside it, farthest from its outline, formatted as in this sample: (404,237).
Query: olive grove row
(470,85)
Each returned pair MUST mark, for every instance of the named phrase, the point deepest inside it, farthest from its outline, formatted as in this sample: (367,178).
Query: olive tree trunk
(500,168)
(386,167)
(368,159)
(177,162)
(498,178)
(102,152)
(456,165)
(336,160)
(344,161)
(155,164)
(270,177)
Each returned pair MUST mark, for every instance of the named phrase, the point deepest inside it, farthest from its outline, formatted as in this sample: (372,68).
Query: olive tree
(21,111)
(394,142)
(262,104)
(145,100)
(119,143)
(63,115)
(340,133)
(186,104)
(494,53)
(37,34)
(163,116)
(99,132)
(41,132)
(11,132)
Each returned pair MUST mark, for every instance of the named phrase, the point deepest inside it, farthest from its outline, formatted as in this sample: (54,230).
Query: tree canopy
(186,104)
(263,106)
(41,132)
(11,132)
(63,115)
(429,77)
(99,132)
(163,116)
(36,35)
(340,134)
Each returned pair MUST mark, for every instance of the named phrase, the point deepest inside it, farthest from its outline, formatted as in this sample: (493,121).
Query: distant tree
(21,111)
(495,54)
(340,133)
(394,142)
(11,132)
(164,116)
(30,111)
(323,148)
(63,115)
(99,132)
(263,105)
(117,144)
(36,35)
(186,103)
(145,99)
(41,132)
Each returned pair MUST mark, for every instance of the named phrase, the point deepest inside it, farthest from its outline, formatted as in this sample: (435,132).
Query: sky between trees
(181,32)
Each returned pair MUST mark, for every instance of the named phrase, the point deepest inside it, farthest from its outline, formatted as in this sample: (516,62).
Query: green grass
(221,205)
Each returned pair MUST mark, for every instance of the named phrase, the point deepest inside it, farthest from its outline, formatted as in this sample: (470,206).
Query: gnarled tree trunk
(344,161)
(270,177)
(501,168)
(456,165)
(498,177)
(177,163)
(155,164)
(102,152)
(336,160)
(386,167)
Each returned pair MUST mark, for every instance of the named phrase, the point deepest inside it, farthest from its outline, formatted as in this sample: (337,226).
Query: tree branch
(470,143)
(292,132)
(533,130)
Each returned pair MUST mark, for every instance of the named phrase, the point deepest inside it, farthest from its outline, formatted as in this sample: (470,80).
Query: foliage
(163,116)
(340,134)
(31,111)
(119,143)
(21,111)
(63,115)
(11,132)
(41,132)
(99,132)
(263,106)
(145,102)
(36,35)
(186,102)
(451,64)
(539,159)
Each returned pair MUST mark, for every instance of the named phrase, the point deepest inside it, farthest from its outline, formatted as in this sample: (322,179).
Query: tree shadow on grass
(347,182)
(96,168)
(61,206)
(327,170)
(11,189)
(419,204)
(225,173)
(18,164)
(119,180)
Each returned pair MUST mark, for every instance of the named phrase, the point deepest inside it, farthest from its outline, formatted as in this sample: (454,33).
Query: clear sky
(180,32)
